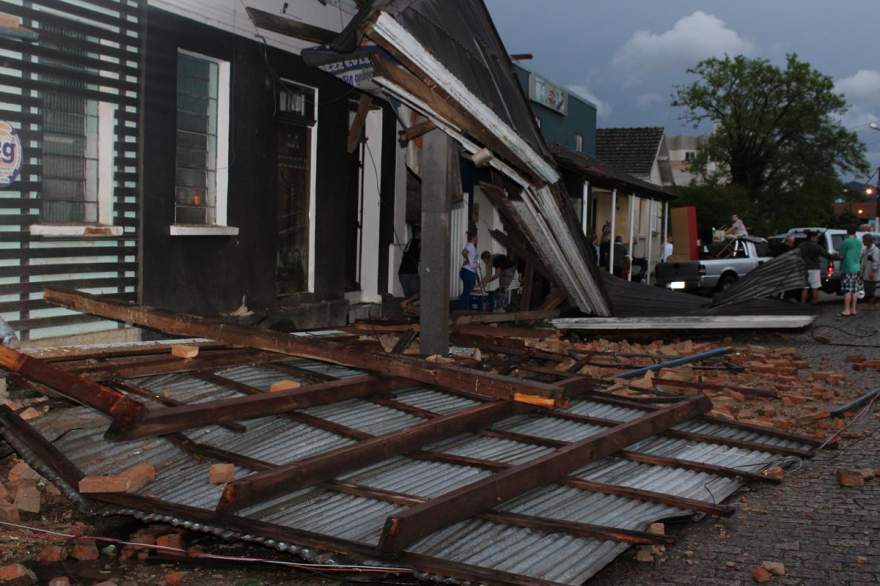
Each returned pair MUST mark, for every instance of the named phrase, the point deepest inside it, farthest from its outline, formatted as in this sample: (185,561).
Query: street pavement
(822,533)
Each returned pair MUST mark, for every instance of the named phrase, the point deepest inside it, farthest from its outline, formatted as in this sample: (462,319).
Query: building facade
(176,154)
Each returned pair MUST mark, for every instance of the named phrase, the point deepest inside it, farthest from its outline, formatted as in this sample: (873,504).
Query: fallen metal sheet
(784,273)
(323,518)
(684,323)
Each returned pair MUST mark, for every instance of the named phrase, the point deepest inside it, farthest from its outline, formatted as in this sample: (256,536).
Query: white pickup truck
(721,264)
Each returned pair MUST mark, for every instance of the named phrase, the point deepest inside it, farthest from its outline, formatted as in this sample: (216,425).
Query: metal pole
(651,214)
(632,216)
(585,207)
(612,234)
(675,362)
(665,226)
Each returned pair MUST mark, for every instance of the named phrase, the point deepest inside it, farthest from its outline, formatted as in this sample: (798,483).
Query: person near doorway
(620,256)
(668,249)
(812,252)
(499,267)
(850,269)
(408,273)
(468,272)
(737,228)
(870,270)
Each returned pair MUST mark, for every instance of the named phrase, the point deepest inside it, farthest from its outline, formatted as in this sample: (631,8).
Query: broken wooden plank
(405,528)
(290,27)
(455,378)
(259,487)
(173,419)
(416,130)
(356,131)
(491,318)
(104,399)
(167,401)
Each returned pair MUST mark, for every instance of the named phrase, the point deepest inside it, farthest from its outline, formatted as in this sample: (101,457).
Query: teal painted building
(565,118)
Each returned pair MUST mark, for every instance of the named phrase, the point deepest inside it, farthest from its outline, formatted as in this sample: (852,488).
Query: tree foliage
(776,136)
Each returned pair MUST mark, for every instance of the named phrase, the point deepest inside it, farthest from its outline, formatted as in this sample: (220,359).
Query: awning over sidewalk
(603,175)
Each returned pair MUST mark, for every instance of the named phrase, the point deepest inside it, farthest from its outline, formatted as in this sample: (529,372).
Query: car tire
(726,282)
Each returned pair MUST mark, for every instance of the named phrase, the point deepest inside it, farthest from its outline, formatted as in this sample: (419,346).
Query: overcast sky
(626,56)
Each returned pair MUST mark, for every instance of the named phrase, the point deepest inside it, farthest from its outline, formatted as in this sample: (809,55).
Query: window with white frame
(579,143)
(78,136)
(200,186)
(690,156)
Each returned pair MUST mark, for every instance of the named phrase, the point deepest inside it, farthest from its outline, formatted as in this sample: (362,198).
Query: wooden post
(632,220)
(434,266)
(612,233)
(652,213)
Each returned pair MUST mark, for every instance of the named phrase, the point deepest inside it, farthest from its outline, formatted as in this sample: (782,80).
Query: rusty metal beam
(455,378)
(104,399)
(404,529)
(259,487)
(174,419)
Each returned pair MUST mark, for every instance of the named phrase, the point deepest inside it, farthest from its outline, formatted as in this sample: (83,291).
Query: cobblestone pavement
(824,534)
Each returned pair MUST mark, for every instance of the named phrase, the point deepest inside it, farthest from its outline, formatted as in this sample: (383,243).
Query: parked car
(830,239)
(721,265)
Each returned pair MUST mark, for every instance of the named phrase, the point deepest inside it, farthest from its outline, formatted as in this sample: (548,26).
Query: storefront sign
(548,94)
(10,154)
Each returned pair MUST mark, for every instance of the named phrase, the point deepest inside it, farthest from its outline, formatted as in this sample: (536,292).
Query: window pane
(197,88)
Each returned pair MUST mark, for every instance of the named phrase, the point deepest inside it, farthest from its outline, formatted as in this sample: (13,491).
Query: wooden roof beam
(404,529)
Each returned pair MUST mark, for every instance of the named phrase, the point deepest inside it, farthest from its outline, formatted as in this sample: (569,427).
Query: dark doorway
(293,151)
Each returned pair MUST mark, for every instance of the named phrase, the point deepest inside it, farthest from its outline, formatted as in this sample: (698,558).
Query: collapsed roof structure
(447,471)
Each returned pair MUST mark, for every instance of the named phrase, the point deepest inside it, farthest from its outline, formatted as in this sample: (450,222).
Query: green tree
(776,136)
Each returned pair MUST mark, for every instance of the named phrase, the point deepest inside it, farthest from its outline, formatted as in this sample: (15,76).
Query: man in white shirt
(737,228)
(668,249)
(468,272)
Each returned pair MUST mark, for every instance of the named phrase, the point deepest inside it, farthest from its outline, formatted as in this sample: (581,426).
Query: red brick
(143,538)
(59,581)
(173,540)
(774,472)
(5,497)
(9,513)
(850,478)
(856,358)
(775,568)
(174,578)
(30,413)
(220,473)
(760,575)
(52,553)
(105,583)
(184,351)
(139,475)
(284,385)
(868,473)
(17,574)
(21,471)
(99,484)
(27,497)
(84,551)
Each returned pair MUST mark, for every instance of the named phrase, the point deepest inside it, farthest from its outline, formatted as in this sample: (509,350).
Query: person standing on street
(812,253)
(468,272)
(870,270)
(850,268)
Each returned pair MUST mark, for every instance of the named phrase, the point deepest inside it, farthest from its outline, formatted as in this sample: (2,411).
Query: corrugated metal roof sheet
(78,433)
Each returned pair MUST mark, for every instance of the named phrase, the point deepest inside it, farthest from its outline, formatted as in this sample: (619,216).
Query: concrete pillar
(435,260)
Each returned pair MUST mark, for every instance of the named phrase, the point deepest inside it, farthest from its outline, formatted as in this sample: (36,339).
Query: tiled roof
(631,150)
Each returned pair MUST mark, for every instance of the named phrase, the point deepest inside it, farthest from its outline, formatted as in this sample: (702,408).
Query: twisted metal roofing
(536,554)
